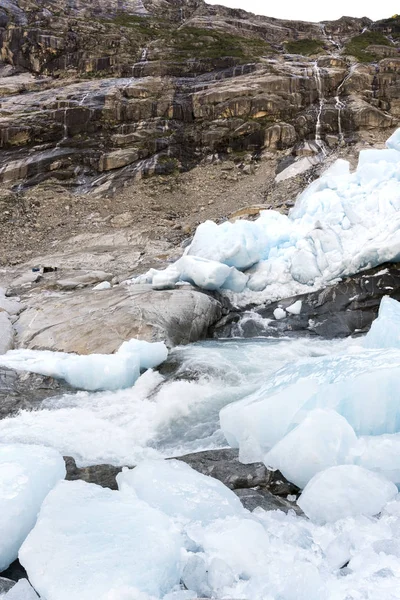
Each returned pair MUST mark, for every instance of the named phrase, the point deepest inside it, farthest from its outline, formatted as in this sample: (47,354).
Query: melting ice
(342,223)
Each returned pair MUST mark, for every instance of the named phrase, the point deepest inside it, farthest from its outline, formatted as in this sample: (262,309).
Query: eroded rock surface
(86,321)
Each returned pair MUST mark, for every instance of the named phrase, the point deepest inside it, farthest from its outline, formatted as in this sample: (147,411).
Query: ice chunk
(236,244)
(103,285)
(295,308)
(322,440)
(236,281)
(385,330)
(91,542)
(368,157)
(22,590)
(92,372)
(345,491)
(258,422)
(27,474)
(179,491)
(207,274)
(242,544)
(279,313)
(164,280)
(151,354)
(394,141)
(380,453)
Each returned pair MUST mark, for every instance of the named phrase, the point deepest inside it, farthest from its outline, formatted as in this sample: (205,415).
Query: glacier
(27,474)
(342,223)
(91,372)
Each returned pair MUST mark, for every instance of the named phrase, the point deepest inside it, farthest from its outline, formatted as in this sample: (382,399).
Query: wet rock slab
(345,308)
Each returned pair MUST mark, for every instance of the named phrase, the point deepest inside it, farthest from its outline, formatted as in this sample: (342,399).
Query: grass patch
(305,47)
(358,45)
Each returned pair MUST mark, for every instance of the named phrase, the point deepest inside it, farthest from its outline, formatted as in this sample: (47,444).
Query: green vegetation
(142,25)
(358,45)
(305,47)
(194,42)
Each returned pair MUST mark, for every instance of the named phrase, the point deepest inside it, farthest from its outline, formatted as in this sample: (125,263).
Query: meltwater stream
(167,414)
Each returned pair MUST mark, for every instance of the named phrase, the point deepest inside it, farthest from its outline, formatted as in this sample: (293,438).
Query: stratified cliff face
(96,92)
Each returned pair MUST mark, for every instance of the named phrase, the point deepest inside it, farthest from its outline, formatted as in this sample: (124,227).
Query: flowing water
(167,414)
(321,100)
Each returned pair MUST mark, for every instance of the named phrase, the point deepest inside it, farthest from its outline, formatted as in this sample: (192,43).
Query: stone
(261,498)
(85,323)
(104,475)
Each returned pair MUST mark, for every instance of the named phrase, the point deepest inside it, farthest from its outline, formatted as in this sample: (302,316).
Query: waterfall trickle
(318,81)
(339,104)
(65,130)
(144,55)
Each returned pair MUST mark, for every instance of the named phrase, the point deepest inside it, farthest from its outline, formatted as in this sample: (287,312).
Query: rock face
(115,90)
(25,391)
(86,321)
(340,310)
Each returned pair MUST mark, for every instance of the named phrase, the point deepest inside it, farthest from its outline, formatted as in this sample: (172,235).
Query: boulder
(86,322)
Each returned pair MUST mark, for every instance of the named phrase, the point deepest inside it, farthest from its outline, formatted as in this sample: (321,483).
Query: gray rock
(25,391)
(339,310)
(225,466)
(86,322)
(104,475)
(6,585)
(265,499)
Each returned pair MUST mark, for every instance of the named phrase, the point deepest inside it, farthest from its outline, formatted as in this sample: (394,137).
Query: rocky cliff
(94,93)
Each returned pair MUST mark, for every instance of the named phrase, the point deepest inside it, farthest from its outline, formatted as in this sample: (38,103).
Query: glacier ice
(385,330)
(345,491)
(179,491)
(27,474)
(342,223)
(360,385)
(91,542)
(92,372)
(323,439)
(257,423)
